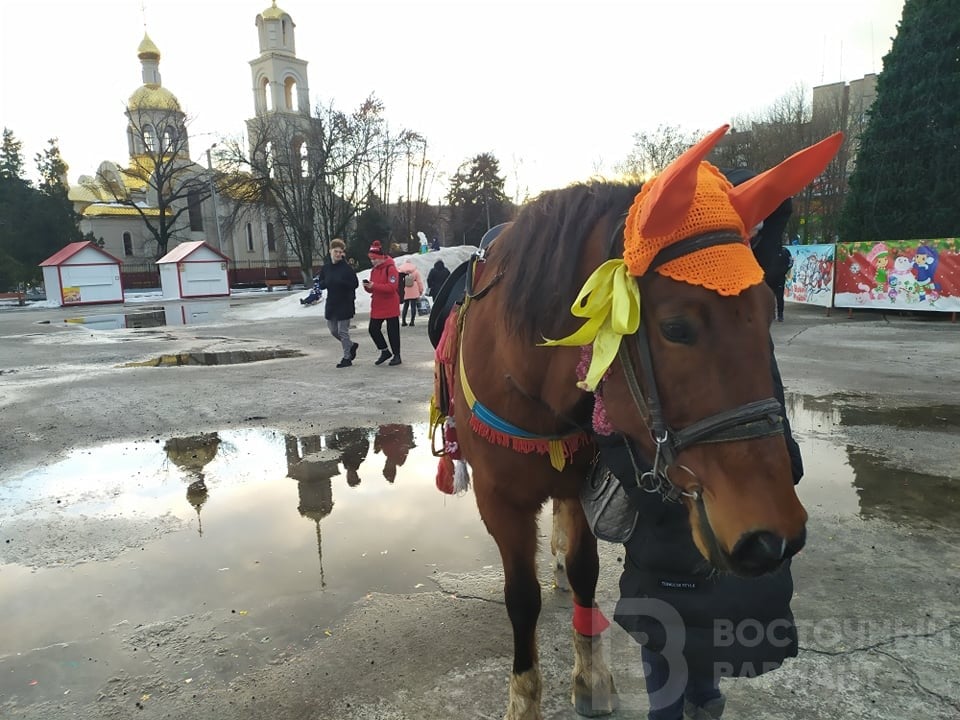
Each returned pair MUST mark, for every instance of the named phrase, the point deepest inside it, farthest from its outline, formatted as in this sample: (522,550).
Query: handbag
(609,513)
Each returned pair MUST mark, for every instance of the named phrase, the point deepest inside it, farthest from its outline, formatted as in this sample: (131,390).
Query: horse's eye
(678,331)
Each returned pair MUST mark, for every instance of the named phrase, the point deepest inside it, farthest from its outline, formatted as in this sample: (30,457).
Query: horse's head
(686,338)
(709,359)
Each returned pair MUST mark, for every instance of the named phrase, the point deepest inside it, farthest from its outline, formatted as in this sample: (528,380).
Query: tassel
(461,477)
(445,475)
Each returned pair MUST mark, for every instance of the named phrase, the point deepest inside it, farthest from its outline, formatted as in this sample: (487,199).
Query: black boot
(395,360)
(384,356)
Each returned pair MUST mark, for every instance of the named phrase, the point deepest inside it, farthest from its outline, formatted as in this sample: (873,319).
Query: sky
(554,89)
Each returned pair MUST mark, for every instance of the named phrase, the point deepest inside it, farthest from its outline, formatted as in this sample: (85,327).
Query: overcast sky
(555,90)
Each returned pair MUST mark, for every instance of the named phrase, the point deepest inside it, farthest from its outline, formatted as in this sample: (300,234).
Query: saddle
(455,288)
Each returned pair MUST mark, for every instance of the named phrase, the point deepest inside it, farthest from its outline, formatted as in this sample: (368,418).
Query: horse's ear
(672,194)
(759,196)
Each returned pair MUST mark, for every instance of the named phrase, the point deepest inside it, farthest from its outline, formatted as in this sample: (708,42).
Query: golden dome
(153,97)
(273,12)
(147,50)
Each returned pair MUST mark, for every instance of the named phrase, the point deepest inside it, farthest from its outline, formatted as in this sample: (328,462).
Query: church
(162,198)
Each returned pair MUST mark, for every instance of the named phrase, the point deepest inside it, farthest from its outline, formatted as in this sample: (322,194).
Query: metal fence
(240,273)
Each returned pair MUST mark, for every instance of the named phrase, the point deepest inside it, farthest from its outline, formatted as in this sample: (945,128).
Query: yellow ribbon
(610,301)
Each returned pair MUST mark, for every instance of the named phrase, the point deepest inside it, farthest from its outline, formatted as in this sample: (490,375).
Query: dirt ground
(876,589)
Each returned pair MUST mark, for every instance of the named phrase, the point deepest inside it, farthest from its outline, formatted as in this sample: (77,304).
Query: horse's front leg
(515,532)
(593,690)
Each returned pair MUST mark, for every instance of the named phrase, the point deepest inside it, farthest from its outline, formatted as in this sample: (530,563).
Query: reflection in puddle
(179,313)
(846,480)
(295,531)
(261,541)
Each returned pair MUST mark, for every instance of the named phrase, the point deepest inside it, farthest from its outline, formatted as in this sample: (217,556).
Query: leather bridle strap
(757,419)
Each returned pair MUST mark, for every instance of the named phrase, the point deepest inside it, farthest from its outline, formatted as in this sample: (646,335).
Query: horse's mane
(543,249)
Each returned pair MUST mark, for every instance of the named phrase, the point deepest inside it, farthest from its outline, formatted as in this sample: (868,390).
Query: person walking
(340,282)
(412,290)
(384,304)
(436,278)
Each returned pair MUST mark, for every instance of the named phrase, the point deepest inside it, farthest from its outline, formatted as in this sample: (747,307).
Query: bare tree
(653,151)
(313,173)
(165,187)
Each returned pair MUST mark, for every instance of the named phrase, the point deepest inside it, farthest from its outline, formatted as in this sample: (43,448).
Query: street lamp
(213,194)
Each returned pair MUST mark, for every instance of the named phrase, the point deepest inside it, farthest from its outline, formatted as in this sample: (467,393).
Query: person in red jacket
(384,303)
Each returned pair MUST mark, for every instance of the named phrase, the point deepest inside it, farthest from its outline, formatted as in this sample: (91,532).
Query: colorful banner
(810,280)
(901,275)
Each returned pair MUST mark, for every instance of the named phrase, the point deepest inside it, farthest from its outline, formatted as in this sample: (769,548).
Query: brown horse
(690,386)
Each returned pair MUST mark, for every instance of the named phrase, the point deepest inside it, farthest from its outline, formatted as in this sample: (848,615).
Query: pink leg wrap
(589,621)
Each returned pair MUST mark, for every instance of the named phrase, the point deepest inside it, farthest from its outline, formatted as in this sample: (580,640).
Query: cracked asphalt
(873,397)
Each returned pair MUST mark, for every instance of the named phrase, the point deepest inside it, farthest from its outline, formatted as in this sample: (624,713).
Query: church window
(270,160)
(149,139)
(300,152)
(127,244)
(265,97)
(249,237)
(194,209)
(271,238)
(290,94)
(168,141)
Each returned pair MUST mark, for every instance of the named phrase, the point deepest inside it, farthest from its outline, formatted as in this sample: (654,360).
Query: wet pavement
(264,538)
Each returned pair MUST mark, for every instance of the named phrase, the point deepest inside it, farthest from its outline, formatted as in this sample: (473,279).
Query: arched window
(271,238)
(265,95)
(300,152)
(169,140)
(127,244)
(149,139)
(249,237)
(269,160)
(290,94)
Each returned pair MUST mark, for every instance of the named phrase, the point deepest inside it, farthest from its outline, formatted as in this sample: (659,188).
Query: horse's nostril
(758,552)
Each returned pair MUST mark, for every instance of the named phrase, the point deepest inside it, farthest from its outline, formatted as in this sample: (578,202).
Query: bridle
(752,420)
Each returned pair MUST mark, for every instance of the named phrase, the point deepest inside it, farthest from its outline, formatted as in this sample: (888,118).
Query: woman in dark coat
(695,625)
(436,278)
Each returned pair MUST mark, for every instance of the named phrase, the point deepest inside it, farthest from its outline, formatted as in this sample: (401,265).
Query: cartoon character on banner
(903,284)
(878,257)
(925,262)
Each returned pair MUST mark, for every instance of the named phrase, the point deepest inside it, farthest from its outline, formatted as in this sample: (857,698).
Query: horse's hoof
(598,704)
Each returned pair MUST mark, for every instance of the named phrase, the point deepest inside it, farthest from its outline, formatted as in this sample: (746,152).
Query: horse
(684,376)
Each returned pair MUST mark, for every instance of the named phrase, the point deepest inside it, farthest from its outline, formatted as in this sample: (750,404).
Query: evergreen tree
(907,177)
(16,211)
(11,157)
(34,222)
(56,223)
(477,199)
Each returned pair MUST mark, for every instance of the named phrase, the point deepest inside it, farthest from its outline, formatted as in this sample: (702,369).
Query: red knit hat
(376,249)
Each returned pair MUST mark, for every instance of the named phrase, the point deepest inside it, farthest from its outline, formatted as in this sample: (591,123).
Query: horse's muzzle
(761,552)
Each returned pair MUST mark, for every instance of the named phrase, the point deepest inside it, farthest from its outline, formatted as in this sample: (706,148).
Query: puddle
(275,535)
(850,410)
(842,479)
(179,313)
(251,544)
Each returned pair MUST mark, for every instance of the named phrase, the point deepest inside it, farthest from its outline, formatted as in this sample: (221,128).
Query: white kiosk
(82,274)
(193,270)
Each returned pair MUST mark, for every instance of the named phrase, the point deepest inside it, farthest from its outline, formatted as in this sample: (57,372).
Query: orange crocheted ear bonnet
(692,198)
